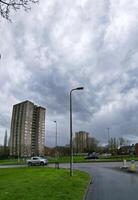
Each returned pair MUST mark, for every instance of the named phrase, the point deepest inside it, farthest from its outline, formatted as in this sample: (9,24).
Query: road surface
(108,183)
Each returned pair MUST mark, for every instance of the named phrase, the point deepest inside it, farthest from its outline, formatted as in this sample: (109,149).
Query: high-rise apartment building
(81,141)
(27,136)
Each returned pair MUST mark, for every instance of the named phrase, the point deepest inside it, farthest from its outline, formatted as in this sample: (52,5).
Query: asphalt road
(110,184)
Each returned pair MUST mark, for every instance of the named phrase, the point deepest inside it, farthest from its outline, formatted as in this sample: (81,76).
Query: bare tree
(7,5)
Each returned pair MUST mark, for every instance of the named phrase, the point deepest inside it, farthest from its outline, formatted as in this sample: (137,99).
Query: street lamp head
(80,88)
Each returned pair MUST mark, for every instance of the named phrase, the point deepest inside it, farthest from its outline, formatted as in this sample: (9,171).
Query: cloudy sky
(63,44)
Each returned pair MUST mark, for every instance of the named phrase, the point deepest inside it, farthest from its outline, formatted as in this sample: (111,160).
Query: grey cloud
(76,43)
(4,121)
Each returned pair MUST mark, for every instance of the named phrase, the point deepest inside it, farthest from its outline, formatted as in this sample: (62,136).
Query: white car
(36,160)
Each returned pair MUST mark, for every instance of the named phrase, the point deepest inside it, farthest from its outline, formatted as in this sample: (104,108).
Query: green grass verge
(12,162)
(39,183)
(81,159)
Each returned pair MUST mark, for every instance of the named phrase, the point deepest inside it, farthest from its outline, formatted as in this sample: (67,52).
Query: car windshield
(35,158)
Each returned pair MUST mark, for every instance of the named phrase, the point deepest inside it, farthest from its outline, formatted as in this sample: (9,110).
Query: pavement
(107,182)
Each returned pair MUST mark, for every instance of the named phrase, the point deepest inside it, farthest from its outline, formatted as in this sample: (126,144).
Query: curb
(87,189)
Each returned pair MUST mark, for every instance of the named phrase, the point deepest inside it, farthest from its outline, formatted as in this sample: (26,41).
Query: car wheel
(42,163)
(29,164)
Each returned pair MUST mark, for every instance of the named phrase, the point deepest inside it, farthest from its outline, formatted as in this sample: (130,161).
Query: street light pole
(108,135)
(56,142)
(108,138)
(71,146)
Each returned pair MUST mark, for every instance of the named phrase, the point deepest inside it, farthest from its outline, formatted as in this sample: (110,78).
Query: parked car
(92,156)
(37,161)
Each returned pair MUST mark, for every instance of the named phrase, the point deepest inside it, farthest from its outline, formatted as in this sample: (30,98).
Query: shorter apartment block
(80,141)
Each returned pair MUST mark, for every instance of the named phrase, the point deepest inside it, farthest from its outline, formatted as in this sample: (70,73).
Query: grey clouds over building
(60,45)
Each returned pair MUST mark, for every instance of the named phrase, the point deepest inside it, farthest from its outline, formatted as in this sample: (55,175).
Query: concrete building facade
(27,135)
(81,141)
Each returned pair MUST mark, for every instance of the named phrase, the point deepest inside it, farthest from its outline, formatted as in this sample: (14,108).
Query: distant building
(27,135)
(127,150)
(136,148)
(81,141)
(92,144)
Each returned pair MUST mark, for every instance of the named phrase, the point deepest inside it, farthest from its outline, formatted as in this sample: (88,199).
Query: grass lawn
(81,159)
(41,183)
(11,162)
(66,159)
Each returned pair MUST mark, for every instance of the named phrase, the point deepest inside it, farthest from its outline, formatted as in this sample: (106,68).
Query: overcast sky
(63,44)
